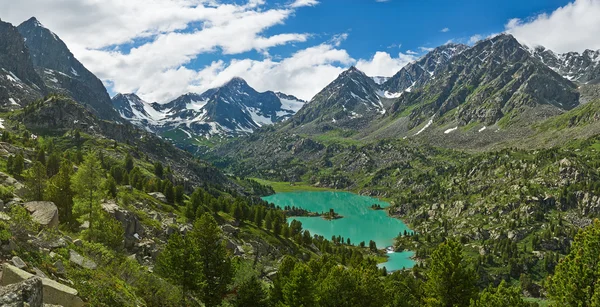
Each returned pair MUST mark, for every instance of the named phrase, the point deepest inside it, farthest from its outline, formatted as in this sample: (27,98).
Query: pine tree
(35,181)
(501,296)
(41,156)
(299,290)
(575,282)
(110,186)
(215,261)
(53,164)
(450,282)
(158,170)
(128,163)
(179,194)
(179,264)
(86,183)
(59,192)
(169,192)
(251,293)
(18,165)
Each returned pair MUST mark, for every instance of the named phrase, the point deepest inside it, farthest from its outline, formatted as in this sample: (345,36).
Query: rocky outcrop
(26,293)
(53,292)
(159,196)
(44,213)
(132,226)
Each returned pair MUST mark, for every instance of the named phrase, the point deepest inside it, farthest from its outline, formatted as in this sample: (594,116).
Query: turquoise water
(359,222)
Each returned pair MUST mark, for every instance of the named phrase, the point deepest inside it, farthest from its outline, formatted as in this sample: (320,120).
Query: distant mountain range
(494,84)
(233,109)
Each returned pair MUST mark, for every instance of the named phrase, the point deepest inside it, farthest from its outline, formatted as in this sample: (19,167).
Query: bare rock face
(25,293)
(43,212)
(53,292)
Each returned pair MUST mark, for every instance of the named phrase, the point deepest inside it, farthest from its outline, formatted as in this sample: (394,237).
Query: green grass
(283,187)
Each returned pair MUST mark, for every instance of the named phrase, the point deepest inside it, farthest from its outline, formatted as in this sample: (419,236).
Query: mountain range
(233,109)
(496,85)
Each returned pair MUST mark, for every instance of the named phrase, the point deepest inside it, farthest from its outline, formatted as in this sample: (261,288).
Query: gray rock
(60,267)
(81,261)
(78,242)
(43,212)
(25,293)
(18,262)
(129,221)
(159,196)
(39,273)
(230,230)
(85,225)
(53,292)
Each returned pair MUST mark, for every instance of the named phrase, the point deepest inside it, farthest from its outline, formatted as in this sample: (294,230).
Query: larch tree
(86,183)
(60,193)
(35,181)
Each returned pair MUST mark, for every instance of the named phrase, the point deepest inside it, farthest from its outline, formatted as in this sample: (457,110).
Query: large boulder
(53,293)
(43,212)
(26,293)
(81,261)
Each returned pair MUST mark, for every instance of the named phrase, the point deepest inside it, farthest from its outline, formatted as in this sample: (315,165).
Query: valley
(469,177)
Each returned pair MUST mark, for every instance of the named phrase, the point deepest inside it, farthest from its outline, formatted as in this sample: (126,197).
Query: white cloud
(444,30)
(411,52)
(425,49)
(383,64)
(301,3)
(475,38)
(573,27)
(167,36)
(337,39)
(303,74)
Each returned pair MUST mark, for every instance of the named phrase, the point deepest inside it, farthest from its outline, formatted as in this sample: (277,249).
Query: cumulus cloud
(383,64)
(444,30)
(301,3)
(303,74)
(572,27)
(475,38)
(144,45)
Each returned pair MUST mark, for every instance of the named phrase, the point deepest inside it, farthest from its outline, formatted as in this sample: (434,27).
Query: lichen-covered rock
(43,212)
(26,293)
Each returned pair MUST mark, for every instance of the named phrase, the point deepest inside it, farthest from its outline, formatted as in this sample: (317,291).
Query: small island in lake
(330,215)
(376,207)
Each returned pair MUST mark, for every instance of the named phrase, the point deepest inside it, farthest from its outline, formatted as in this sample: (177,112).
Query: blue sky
(374,26)
(161,49)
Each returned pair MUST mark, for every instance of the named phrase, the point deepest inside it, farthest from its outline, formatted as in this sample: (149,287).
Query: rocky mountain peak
(417,73)
(62,72)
